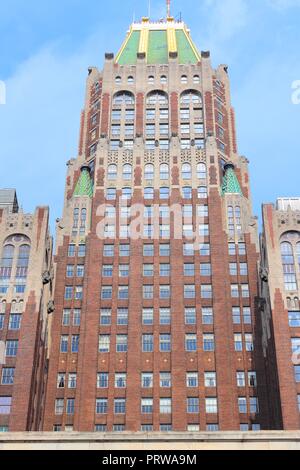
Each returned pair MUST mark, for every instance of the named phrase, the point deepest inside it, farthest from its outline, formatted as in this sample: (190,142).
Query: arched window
(163,79)
(126,193)
(187,192)
(157,97)
(123,98)
(288,263)
(23,261)
(112,172)
(118,79)
(130,80)
(191,97)
(164,171)
(164,193)
(196,79)
(149,171)
(186,171)
(6,261)
(150,79)
(184,79)
(201,171)
(127,172)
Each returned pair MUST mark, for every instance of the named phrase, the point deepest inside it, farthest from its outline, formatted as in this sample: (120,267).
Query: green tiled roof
(158,47)
(129,54)
(84,186)
(231,183)
(156,41)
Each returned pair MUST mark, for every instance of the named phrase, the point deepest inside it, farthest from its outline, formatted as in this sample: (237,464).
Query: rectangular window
(121,343)
(236,315)
(71,250)
(148,250)
(240,379)
(123,292)
(165,406)
(107,270)
(235,291)
(64,341)
(164,292)
(148,292)
(101,406)
(233,269)
(75,344)
(146,405)
(242,403)
(191,342)
(78,292)
(124,270)
(204,249)
(104,343)
(189,291)
(148,270)
(147,316)
(164,249)
(206,291)
(165,380)
(164,270)
(297,373)
(192,380)
(8,374)
(207,316)
(119,406)
(238,342)
(122,316)
(294,319)
(81,250)
(247,315)
(120,380)
(245,291)
(210,379)
(231,249)
(124,250)
(70,270)
(205,269)
(102,380)
(106,292)
(147,380)
(253,405)
(242,249)
(1,322)
(59,406)
(105,316)
(249,342)
(72,381)
(252,380)
(108,251)
(76,317)
(164,316)
(189,270)
(188,249)
(193,405)
(208,342)
(11,348)
(243,269)
(147,343)
(190,316)
(211,405)
(165,343)
(14,321)
(68,293)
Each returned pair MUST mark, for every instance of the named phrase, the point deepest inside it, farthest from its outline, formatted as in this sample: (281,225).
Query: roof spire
(168,8)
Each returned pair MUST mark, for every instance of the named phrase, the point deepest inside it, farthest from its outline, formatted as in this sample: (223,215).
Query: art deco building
(154,329)
(25,281)
(280,284)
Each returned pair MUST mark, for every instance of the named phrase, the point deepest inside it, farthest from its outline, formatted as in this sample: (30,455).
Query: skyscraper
(155,323)
(25,292)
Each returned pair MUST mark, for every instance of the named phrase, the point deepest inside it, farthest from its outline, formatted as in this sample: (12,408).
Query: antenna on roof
(168,8)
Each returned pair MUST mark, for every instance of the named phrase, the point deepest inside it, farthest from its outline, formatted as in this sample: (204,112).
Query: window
(105,316)
(249,342)
(245,291)
(165,406)
(108,250)
(192,379)
(148,250)
(147,343)
(119,406)
(189,269)
(201,171)
(185,128)
(2,322)
(295,342)
(106,292)
(192,405)
(101,406)
(204,249)
(68,293)
(253,405)
(11,348)
(235,291)
(104,343)
(206,291)
(120,380)
(148,292)
(233,269)
(127,172)
(204,230)
(147,380)
(5,405)
(243,269)
(75,344)
(208,342)
(247,315)
(207,316)
(123,292)
(210,379)
(205,269)
(112,172)
(146,427)
(164,250)
(242,404)
(297,373)
(78,292)
(72,382)
(189,292)
(147,316)
(165,379)
(186,171)
(164,270)
(212,427)
(231,249)
(164,292)
(236,315)
(149,193)
(187,192)
(118,427)
(202,192)
(294,319)
(70,270)
(102,380)
(146,405)
(150,130)
(123,98)
(191,342)
(190,316)
(165,343)
(111,194)
(122,316)
(211,405)
(100,428)
(14,321)
(148,270)
(238,342)
(59,406)
(8,374)
(124,251)
(202,210)
(126,193)
(164,193)
(61,380)
(164,316)
(298,401)
(121,343)
(242,249)
(252,380)
(240,379)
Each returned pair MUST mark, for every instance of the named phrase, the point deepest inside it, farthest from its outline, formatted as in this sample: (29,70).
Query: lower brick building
(25,290)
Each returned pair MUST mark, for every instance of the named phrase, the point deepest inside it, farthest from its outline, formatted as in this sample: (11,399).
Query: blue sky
(46,48)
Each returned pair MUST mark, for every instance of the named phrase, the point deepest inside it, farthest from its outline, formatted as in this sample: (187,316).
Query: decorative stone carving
(50,307)
(264,274)
(46,277)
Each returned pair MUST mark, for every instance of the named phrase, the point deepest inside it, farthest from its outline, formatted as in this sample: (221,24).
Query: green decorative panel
(84,186)
(231,183)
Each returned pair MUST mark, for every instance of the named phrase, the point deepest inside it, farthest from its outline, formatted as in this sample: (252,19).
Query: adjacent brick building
(25,290)
(156,267)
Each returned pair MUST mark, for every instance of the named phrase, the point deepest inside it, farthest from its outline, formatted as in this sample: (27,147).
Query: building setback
(25,290)
(152,331)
